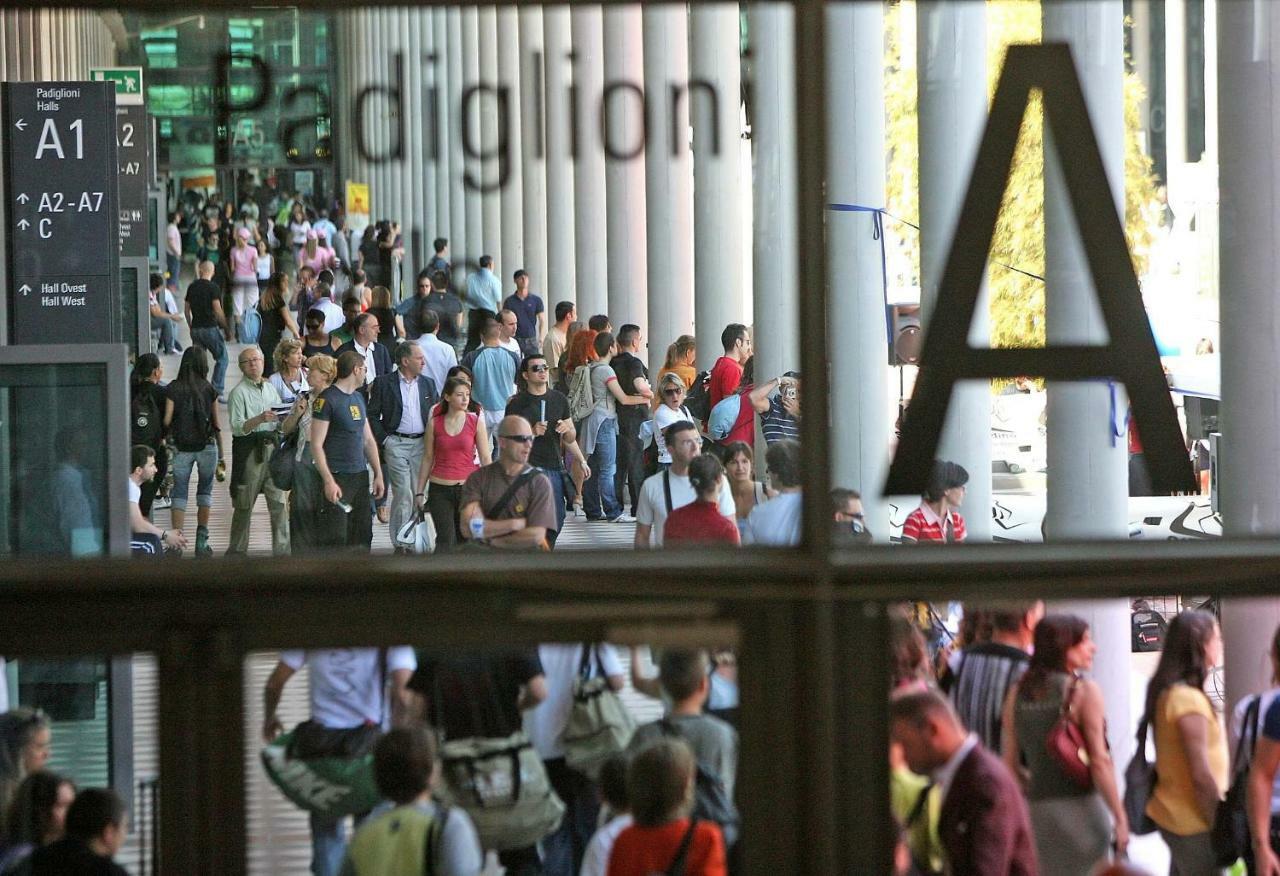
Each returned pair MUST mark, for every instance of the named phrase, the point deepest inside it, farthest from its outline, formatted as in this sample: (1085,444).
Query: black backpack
(711,801)
(1148,631)
(698,401)
(146,417)
(192,425)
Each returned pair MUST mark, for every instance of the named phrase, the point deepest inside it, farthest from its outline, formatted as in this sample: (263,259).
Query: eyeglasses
(537,369)
(523,439)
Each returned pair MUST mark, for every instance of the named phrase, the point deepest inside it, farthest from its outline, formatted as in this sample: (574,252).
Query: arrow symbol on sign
(22,198)
(20,124)
(24,224)
(24,289)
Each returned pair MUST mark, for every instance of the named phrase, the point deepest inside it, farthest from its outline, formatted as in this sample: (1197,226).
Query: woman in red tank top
(455,440)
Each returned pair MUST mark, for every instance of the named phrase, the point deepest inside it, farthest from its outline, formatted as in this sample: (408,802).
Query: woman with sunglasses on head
(671,391)
(455,438)
(25,745)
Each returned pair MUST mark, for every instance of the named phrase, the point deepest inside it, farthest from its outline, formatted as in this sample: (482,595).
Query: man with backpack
(726,374)
(685,677)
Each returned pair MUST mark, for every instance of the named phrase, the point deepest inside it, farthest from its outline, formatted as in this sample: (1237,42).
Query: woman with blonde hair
(289,378)
(680,359)
(390,323)
(308,490)
(276,318)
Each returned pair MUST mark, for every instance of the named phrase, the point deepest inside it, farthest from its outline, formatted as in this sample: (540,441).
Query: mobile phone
(344,505)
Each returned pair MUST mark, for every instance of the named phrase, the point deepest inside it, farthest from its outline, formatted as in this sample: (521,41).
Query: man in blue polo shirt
(531,315)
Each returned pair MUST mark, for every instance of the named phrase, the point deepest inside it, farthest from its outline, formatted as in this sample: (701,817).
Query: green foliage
(1017,301)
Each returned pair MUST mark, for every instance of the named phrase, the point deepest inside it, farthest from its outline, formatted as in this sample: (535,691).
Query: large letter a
(1131,355)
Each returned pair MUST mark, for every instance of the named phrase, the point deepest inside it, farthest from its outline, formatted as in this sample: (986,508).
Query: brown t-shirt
(532,501)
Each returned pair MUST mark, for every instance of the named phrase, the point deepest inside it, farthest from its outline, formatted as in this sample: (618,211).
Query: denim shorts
(183,462)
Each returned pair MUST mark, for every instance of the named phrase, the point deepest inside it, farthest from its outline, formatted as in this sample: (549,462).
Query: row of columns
(54,44)
(578,156)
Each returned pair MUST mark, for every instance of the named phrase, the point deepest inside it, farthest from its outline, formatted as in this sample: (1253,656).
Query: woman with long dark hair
(276,318)
(455,438)
(1191,747)
(146,421)
(191,419)
(36,816)
(1072,828)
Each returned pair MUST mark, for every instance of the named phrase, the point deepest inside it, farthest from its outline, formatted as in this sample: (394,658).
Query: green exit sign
(128,82)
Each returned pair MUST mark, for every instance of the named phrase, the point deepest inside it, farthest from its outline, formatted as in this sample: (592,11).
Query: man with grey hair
(400,405)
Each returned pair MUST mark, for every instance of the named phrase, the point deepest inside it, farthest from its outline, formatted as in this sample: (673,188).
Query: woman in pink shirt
(455,439)
(316,256)
(244,275)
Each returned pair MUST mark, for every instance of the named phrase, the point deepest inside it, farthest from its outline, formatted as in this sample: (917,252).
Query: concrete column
(562,275)
(1140,58)
(624,146)
(512,217)
(491,197)
(377,124)
(776,303)
(590,215)
(459,242)
(1088,465)
(951,47)
(668,177)
(422,166)
(441,134)
(856,173)
(718,188)
(477,244)
(1249,107)
(1175,81)
(1211,81)
(533,155)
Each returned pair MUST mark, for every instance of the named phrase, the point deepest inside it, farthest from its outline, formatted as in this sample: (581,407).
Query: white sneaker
(579,513)
(624,518)
(162,502)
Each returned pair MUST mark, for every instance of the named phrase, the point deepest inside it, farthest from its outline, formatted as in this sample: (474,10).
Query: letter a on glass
(1129,357)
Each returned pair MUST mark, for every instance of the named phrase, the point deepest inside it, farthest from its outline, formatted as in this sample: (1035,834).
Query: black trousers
(352,530)
(630,469)
(444,504)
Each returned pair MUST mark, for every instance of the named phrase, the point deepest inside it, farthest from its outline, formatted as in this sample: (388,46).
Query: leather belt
(411,437)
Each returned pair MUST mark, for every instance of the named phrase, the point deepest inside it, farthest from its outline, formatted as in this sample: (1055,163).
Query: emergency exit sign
(128,82)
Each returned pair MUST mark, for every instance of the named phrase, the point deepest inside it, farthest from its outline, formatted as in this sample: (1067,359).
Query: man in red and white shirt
(937,519)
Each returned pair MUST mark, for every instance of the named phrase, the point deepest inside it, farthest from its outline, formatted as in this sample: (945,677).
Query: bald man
(508,503)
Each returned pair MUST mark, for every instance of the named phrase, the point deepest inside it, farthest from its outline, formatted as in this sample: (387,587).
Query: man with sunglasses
(507,504)
(547,412)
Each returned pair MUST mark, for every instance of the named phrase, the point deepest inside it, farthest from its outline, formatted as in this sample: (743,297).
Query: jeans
(183,462)
(563,850)
(557,477)
(598,499)
(168,338)
(402,457)
(630,467)
(329,843)
(174,265)
(211,340)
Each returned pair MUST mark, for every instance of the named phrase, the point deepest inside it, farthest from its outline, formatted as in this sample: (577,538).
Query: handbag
(283,462)
(599,725)
(1066,746)
(1230,832)
(1140,781)
(418,533)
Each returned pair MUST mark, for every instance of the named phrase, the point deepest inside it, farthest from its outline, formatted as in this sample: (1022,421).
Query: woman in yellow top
(1191,747)
(680,357)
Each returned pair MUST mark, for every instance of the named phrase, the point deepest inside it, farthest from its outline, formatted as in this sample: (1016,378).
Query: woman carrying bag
(455,438)
(1050,714)
(307,493)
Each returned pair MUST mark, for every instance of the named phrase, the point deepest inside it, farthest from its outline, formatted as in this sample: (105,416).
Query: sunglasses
(537,369)
(523,439)
(672,391)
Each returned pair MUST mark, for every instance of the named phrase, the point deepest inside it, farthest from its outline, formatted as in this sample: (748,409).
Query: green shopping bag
(331,787)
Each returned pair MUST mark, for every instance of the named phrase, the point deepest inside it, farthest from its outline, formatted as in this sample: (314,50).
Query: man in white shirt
(562,665)
(507,339)
(146,539)
(399,409)
(173,250)
(334,318)
(349,688)
(668,490)
(440,357)
(377,359)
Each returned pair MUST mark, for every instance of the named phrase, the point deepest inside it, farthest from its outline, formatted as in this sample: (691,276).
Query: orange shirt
(641,851)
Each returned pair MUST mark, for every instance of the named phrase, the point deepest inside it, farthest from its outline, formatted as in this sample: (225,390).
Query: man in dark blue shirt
(341,441)
(531,315)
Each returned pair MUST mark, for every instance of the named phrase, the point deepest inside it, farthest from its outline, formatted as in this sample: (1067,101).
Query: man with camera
(780,413)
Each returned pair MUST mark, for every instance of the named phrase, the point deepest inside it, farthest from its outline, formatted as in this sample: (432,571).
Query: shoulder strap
(501,505)
(918,808)
(384,712)
(584,661)
(434,841)
(666,488)
(682,853)
(1068,697)
(1244,750)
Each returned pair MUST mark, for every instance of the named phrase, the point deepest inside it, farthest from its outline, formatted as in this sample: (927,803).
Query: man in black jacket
(377,361)
(400,405)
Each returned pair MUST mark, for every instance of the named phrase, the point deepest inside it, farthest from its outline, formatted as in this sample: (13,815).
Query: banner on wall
(357,206)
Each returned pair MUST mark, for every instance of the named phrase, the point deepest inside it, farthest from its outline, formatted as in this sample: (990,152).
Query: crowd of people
(432,407)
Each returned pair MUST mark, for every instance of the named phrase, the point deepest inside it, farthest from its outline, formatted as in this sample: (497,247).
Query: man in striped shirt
(979,678)
(780,413)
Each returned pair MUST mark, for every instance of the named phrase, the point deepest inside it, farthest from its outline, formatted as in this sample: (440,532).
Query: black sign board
(62,213)
(132,133)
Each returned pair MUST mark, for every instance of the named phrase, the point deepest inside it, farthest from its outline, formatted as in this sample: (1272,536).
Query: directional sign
(131,149)
(62,214)
(128,82)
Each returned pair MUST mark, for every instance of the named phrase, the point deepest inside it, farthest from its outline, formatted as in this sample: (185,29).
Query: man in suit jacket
(377,360)
(984,825)
(400,403)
